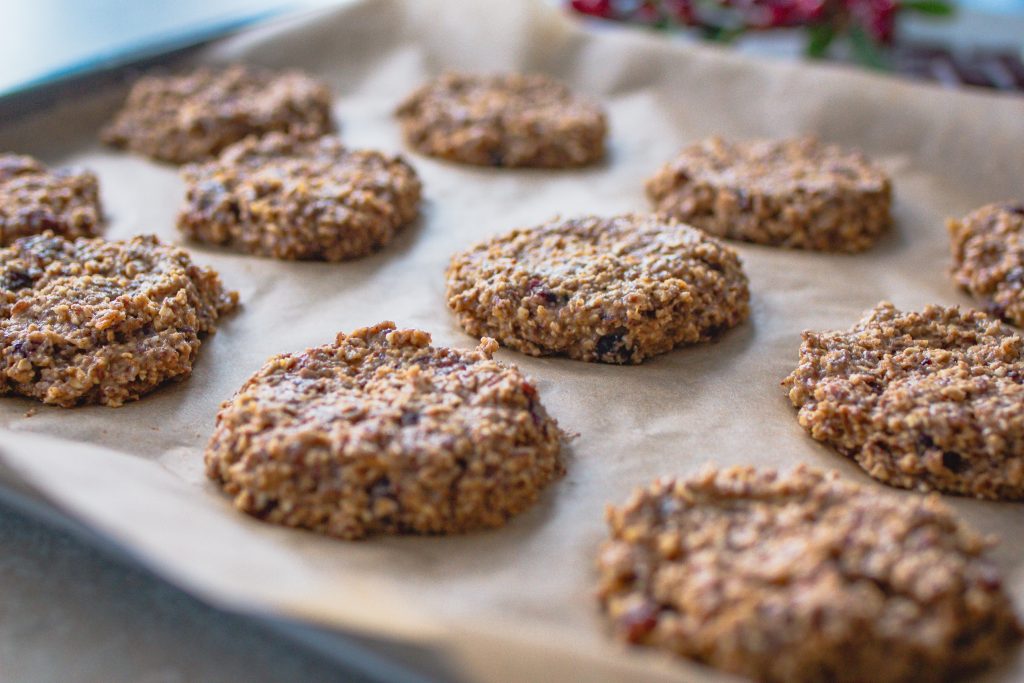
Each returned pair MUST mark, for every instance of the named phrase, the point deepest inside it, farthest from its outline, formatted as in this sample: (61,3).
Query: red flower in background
(596,8)
(867,23)
(877,17)
(793,12)
(681,11)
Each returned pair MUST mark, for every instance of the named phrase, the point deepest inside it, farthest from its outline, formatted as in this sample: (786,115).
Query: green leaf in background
(722,34)
(936,8)
(819,38)
(866,50)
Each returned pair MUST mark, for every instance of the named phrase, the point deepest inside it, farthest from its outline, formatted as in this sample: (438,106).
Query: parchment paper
(516,603)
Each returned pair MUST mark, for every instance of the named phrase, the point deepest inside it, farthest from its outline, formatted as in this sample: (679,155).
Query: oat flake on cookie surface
(612,290)
(35,199)
(504,120)
(798,193)
(802,577)
(381,432)
(988,257)
(97,321)
(927,400)
(192,116)
(288,198)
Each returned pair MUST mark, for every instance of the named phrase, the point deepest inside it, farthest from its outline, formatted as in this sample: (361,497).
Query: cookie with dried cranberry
(288,198)
(193,116)
(801,577)
(797,193)
(988,257)
(382,433)
(504,120)
(611,290)
(34,199)
(926,400)
(96,321)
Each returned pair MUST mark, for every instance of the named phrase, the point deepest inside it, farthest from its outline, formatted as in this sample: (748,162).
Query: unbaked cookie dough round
(988,257)
(288,198)
(504,120)
(801,577)
(927,400)
(34,199)
(797,193)
(192,116)
(97,321)
(381,432)
(612,290)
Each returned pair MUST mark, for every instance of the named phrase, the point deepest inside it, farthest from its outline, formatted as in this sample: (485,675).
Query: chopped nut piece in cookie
(504,120)
(613,290)
(803,578)
(796,193)
(193,116)
(97,321)
(294,199)
(988,257)
(34,200)
(926,400)
(381,432)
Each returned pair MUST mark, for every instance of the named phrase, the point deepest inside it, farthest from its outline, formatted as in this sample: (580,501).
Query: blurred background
(953,42)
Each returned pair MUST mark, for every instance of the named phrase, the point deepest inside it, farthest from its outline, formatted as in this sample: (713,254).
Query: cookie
(381,432)
(504,120)
(193,116)
(97,321)
(299,199)
(924,400)
(796,193)
(988,257)
(801,577)
(34,199)
(612,290)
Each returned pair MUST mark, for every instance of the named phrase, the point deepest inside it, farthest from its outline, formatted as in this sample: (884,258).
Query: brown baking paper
(515,603)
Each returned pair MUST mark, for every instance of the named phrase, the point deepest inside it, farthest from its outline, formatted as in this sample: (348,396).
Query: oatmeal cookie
(299,199)
(193,116)
(796,193)
(381,432)
(96,321)
(613,290)
(801,577)
(34,199)
(988,257)
(504,120)
(927,401)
